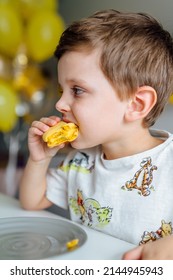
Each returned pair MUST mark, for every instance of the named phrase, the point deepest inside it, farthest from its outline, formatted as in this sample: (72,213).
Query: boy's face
(89,100)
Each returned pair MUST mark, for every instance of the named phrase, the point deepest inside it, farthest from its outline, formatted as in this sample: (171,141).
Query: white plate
(24,238)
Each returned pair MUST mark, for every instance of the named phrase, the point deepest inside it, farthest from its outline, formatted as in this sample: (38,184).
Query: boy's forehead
(78,57)
(80,67)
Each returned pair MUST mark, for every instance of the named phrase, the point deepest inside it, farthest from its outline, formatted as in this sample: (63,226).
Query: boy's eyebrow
(74,81)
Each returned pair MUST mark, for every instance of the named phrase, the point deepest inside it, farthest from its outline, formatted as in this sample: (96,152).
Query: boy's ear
(141,103)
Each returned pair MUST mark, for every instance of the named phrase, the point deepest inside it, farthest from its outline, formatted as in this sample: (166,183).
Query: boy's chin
(78,145)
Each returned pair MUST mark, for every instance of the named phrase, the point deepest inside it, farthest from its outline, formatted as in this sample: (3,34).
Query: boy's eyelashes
(74,90)
(77,90)
(60,92)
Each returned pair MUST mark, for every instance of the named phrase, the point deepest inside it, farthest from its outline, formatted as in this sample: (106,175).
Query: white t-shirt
(130,198)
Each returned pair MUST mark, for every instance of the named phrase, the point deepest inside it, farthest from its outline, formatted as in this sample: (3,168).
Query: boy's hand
(161,249)
(37,147)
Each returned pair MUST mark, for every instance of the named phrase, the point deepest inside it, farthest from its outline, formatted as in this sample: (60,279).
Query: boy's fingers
(51,121)
(134,254)
(39,125)
(57,119)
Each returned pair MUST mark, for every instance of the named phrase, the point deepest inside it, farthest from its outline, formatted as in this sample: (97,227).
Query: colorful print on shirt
(81,164)
(142,179)
(90,211)
(164,230)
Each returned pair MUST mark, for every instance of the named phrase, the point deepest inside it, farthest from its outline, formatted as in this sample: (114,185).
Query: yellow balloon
(11,30)
(28,8)
(42,35)
(6,69)
(8,103)
(6,2)
(12,5)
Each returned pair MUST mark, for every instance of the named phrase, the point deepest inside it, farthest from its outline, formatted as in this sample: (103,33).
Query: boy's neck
(132,144)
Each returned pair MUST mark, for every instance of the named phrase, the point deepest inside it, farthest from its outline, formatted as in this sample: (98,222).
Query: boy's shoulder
(167,145)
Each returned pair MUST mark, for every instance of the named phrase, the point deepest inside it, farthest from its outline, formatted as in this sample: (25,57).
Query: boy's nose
(62,105)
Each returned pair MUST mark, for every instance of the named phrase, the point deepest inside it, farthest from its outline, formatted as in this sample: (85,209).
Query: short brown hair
(135,51)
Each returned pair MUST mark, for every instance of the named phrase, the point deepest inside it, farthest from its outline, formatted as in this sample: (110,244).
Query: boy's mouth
(64,119)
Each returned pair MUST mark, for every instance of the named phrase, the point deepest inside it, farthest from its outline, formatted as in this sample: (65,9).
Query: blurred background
(29,33)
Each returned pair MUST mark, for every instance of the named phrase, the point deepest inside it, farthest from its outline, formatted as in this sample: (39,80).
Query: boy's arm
(161,249)
(32,187)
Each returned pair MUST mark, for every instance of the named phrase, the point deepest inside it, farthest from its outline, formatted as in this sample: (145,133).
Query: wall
(163,10)
(75,9)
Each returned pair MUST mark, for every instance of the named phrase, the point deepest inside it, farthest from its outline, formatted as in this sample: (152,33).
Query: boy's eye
(77,91)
